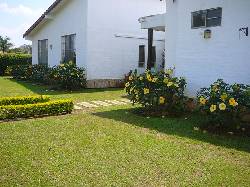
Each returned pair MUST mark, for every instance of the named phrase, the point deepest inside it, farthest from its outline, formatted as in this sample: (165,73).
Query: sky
(16,16)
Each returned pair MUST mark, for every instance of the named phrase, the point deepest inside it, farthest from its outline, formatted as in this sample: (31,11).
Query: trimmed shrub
(23,100)
(159,91)
(223,103)
(11,59)
(50,108)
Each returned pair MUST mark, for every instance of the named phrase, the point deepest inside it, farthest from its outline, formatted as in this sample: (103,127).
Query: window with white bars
(69,48)
(43,52)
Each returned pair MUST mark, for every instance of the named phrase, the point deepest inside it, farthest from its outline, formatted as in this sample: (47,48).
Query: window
(141,56)
(68,48)
(43,52)
(207,18)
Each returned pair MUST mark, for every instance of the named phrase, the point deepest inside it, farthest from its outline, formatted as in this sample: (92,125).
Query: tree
(24,49)
(5,44)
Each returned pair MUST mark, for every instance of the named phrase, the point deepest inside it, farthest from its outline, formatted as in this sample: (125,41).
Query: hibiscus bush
(223,103)
(159,91)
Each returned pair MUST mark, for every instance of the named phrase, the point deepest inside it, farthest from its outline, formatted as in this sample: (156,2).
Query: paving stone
(77,107)
(102,103)
(125,100)
(88,105)
(115,102)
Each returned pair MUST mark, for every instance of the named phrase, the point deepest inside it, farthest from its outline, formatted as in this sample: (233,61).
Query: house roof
(43,16)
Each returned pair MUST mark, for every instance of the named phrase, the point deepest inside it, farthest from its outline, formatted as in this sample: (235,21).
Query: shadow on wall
(178,127)
(47,90)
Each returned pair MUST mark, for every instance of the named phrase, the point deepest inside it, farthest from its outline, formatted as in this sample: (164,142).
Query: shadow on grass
(48,90)
(182,127)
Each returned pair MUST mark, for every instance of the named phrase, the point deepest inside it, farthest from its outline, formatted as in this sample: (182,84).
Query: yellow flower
(131,90)
(232,102)
(170,84)
(149,78)
(203,101)
(162,100)
(146,91)
(127,84)
(222,106)
(176,85)
(154,80)
(130,78)
(169,71)
(141,78)
(223,97)
(137,97)
(213,108)
(215,88)
(165,81)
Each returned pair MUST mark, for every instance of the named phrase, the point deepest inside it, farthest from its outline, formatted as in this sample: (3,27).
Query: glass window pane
(198,19)
(214,13)
(214,22)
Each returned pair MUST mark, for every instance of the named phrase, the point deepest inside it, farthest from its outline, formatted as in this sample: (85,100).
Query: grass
(113,147)
(10,87)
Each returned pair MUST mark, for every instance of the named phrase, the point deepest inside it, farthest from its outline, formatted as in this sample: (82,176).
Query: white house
(205,40)
(102,36)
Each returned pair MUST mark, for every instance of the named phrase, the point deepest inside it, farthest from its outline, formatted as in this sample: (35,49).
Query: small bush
(23,100)
(157,91)
(223,103)
(68,76)
(39,74)
(36,110)
(21,72)
(64,76)
(11,59)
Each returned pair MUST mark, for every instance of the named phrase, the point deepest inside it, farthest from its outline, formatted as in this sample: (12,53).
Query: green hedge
(64,76)
(11,59)
(23,100)
(36,110)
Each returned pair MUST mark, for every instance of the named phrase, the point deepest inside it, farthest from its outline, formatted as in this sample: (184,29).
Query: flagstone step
(102,103)
(87,105)
(76,107)
(115,102)
(96,104)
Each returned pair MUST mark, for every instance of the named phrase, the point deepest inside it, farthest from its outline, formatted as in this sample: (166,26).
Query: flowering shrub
(159,90)
(223,103)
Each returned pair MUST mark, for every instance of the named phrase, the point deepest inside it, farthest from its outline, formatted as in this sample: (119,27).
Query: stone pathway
(97,104)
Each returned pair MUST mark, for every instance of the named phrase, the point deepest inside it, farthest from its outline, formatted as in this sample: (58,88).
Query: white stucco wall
(111,57)
(71,19)
(96,25)
(200,60)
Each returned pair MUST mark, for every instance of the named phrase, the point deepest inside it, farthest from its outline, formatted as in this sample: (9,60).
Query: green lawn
(112,147)
(9,87)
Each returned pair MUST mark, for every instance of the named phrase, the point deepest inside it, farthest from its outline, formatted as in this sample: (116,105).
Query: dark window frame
(68,48)
(142,56)
(43,52)
(205,15)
